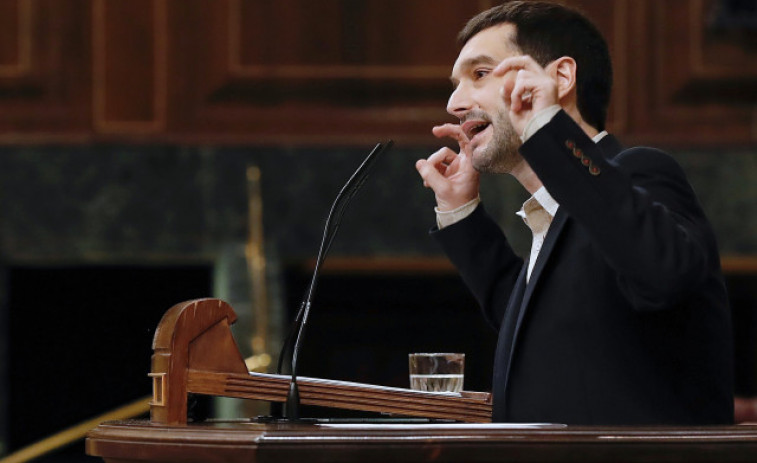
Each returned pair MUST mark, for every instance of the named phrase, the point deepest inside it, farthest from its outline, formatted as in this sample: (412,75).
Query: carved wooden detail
(334,71)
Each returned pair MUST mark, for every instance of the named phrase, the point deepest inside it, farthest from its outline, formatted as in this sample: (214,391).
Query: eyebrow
(472,62)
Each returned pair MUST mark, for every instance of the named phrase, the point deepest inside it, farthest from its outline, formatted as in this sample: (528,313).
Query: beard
(501,154)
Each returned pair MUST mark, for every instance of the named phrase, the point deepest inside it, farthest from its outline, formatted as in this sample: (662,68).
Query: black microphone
(296,333)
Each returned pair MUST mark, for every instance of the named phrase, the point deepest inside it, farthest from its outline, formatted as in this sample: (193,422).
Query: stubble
(501,155)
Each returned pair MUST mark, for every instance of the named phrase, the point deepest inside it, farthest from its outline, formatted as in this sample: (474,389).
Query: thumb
(432,178)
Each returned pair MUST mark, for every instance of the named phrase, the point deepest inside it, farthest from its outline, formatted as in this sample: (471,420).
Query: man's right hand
(451,175)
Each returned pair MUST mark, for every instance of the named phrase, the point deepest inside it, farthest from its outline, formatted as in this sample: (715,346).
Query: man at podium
(619,315)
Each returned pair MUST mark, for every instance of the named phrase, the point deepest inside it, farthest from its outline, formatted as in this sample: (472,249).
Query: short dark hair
(547,31)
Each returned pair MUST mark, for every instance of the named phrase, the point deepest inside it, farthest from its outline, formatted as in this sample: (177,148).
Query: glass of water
(437,372)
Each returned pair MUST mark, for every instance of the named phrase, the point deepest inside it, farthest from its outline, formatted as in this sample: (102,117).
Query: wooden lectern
(194,352)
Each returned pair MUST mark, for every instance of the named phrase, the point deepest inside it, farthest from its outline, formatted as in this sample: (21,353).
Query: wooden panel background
(45,71)
(335,71)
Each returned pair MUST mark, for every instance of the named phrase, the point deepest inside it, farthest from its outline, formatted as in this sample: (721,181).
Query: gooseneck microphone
(297,331)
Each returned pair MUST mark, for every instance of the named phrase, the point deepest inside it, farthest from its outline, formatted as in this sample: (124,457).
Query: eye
(480,73)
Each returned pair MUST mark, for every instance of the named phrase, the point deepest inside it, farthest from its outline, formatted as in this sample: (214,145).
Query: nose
(459,102)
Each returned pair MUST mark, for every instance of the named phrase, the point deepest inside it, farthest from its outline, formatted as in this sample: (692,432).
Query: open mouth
(473,128)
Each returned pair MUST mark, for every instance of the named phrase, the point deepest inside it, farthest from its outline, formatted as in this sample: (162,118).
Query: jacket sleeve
(638,209)
(486,262)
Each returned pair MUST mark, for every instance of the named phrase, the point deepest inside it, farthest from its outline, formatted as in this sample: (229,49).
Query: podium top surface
(397,441)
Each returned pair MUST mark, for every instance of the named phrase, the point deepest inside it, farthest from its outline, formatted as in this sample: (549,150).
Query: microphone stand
(296,333)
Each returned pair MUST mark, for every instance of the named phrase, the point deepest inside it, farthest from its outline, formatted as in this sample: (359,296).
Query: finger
(451,164)
(432,178)
(524,86)
(509,83)
(448,130)
(420,166)
(506,91)
(516,63)
(522,92)
(441,159)
(453,131)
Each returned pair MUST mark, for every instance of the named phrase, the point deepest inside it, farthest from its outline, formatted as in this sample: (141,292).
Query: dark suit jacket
(625,319)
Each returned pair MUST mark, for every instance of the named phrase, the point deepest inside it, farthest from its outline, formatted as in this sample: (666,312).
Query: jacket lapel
(522,296)
(555,230)
(610,147)
(503,354)
(553,233)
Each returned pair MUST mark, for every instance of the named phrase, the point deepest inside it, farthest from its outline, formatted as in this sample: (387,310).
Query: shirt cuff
(539,120)
(447,218)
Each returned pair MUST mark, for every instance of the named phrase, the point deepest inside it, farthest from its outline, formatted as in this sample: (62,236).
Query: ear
(564,72)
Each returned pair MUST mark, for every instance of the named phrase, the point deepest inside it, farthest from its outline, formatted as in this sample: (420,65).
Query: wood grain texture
(336,72)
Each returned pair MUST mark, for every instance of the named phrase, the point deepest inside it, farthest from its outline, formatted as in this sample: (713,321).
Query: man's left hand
(528,88)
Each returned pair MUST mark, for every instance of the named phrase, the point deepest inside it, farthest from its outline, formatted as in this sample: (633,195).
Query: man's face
(478,103)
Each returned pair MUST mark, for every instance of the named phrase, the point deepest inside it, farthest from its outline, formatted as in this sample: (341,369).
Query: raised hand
(528,88)
(450,175)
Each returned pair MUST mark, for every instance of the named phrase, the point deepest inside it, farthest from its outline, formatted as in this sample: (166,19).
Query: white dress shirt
(537,212)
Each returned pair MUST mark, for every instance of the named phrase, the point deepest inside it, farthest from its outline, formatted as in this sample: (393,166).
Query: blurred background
(155,151)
